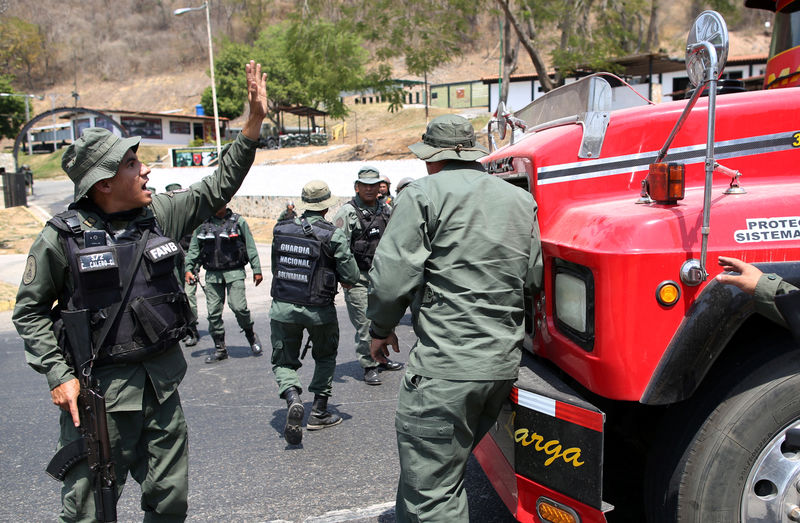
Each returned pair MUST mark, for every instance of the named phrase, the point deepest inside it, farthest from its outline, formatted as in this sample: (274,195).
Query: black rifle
(196,277)
(94,444)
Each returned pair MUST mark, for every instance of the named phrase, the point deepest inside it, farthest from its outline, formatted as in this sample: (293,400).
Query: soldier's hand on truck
(257,278)
(748,276)
(189,277)
(379,348)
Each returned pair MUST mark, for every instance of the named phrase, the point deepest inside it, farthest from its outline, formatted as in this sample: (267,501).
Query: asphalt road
(241,469)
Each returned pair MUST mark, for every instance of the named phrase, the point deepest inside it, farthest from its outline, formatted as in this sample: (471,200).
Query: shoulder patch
(339,222)
(30,270)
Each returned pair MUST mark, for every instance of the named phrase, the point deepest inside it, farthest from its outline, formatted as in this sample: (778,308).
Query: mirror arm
(713,75)
(492,143)
(663,152)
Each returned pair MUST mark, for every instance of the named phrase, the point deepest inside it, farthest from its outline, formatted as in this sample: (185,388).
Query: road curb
(39,214)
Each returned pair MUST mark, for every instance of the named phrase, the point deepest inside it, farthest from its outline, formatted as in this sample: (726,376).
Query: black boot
(293,431)
(254,341)
(192,336)
(320,418)
(221,351)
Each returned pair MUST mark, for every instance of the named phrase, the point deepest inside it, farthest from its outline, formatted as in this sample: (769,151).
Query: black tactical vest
(221,246)
(154,312)
(364,244)
(304,270)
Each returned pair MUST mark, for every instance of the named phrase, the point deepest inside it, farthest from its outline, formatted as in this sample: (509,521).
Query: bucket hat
(95,156)
(449,137)
(316,196)
(403,182)
(369,175)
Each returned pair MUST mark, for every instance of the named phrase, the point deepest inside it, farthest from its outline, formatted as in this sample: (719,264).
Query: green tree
(307,61)
(426,33)
(12,109)
(21,47)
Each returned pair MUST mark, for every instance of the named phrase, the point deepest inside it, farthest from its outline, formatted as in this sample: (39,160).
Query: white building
(168,129)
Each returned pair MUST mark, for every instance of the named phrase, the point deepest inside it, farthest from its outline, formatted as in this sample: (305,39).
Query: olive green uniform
(355,298)
(287,321)
(769,286)
(145,420)
(218,283)
(461,248)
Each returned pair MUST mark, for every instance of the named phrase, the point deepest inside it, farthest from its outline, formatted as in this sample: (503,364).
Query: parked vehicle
(650,388)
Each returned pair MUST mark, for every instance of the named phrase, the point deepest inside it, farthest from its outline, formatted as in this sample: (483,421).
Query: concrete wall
(267,188)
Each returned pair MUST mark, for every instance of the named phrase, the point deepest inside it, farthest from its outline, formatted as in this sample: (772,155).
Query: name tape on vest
(97,261)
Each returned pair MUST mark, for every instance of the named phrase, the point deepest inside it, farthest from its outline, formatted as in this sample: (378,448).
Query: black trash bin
(14,190)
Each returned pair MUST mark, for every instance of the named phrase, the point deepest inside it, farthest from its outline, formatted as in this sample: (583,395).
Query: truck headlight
(574,302)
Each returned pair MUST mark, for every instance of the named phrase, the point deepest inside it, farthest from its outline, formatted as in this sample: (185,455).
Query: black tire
(720,457)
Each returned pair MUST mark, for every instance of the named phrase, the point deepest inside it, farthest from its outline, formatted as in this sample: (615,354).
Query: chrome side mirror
(708,28)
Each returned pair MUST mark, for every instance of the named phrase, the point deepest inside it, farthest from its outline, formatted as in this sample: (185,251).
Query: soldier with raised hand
(309,256)
(363,220)
(113,257)
(461,249)
(223,245)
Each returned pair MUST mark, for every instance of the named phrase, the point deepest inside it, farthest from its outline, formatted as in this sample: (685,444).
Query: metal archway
(24,131)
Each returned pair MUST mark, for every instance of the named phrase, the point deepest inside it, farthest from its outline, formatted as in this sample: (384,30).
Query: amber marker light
(554,512)
(665,182)
(668,293)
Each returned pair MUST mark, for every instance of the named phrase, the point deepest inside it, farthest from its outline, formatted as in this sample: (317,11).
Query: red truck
(651,391)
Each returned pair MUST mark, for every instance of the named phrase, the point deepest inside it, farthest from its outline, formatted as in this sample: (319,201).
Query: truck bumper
(546,447)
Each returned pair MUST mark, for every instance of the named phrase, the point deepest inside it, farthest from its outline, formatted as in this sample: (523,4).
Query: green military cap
(449,137)
(317,196)
(173,187)
(369,175)
(95,156)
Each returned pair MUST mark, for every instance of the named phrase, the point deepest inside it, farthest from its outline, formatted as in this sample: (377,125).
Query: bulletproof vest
(364,243)
(221,246)
(152,315)
(304,268)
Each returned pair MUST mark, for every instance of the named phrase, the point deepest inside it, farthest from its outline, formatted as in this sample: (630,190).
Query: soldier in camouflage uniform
(363,220)
(223,245)
(138,373)
(309,257)
(461,249)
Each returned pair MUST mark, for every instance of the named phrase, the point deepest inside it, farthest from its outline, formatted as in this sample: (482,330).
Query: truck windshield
(786,31)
